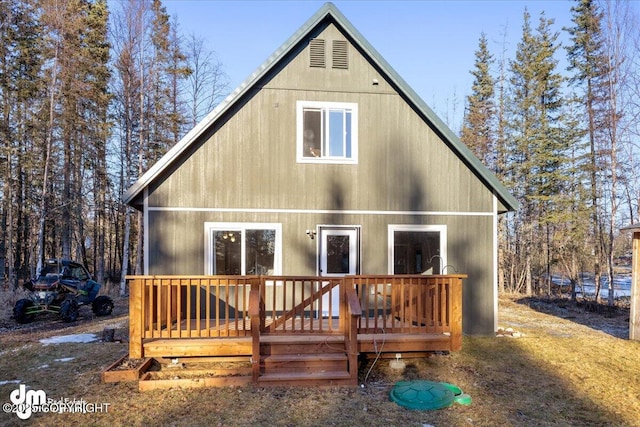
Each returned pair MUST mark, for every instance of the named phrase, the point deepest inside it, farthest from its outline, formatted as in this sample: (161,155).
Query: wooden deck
(294,330)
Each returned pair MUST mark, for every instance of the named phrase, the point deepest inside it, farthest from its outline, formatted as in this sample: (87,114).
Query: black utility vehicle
(61,287)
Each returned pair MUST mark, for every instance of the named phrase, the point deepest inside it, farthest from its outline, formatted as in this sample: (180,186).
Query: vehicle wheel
(102,306)
(69,310)
(20,311)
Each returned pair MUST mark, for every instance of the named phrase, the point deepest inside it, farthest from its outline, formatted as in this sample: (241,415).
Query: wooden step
(304,362)
(301,338)
(305,357)
(301,344)
(324,378)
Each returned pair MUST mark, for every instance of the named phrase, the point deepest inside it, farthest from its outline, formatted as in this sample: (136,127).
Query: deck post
(455,304)
(634,313)
(256,312)
(136,318)
(351,311)
(634,310)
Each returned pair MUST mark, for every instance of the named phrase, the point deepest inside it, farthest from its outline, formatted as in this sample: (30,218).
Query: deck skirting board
(241,346)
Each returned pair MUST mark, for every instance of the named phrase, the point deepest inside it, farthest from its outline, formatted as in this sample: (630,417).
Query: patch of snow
(42,367)
(10,382)
(64,359)
(621,285)
(509,333)
(77,338)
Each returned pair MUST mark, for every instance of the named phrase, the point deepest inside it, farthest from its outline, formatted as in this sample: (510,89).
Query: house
(324,162)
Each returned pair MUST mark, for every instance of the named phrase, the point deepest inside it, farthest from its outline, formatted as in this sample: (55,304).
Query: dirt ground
(554,364)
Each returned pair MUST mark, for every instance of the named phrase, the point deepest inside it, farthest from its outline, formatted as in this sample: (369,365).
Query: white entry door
(339,256)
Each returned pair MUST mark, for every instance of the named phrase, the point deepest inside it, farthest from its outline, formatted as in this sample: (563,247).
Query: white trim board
(319,211)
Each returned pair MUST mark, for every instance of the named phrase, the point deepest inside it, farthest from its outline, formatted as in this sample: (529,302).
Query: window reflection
(416,252)
(337,254)
(312,133)
(228,252)
(258,251)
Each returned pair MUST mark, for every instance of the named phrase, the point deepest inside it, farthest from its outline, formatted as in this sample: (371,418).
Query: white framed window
(327,132)
(243,248)
(418,249)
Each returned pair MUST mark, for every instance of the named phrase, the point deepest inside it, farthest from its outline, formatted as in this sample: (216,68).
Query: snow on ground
(621,285)
(76,338)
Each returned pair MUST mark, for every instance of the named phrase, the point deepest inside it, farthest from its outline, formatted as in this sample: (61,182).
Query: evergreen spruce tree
(178,71)
(478,123)
(587,60)
(98,49)
(157,107)
(20,87)
(539,151)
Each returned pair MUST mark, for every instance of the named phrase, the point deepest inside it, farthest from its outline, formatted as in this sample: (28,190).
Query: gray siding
(250,161)
(177,241)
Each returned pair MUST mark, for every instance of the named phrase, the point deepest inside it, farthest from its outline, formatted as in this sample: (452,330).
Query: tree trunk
(140,244)
(125,252)
(47,160)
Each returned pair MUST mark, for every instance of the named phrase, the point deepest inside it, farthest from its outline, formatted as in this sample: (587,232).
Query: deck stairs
(291,360)
(304,360)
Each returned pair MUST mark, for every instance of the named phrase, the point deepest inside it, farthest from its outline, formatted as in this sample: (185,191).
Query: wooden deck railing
(190,307)
(300,305)
(413,304)
(234,306)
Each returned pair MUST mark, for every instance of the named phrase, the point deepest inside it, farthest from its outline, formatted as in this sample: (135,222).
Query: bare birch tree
(207,84)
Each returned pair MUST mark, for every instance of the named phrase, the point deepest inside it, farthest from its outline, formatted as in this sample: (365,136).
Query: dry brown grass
(568,369)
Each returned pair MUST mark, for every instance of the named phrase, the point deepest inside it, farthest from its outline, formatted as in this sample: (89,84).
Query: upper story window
(327,132)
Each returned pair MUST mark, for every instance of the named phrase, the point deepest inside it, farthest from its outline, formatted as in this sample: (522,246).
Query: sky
(429,43)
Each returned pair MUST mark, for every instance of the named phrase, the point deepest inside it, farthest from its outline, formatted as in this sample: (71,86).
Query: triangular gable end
(328,11)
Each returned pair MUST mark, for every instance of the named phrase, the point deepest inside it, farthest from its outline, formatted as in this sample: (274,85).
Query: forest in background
(92,97)
(564,142)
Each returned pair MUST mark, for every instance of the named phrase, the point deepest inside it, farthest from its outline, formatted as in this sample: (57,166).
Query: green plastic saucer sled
(427,395)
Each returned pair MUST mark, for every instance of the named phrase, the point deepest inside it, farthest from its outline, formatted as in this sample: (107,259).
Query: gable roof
(327,11)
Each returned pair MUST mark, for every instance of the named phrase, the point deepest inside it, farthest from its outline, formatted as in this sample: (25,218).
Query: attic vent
(316,53)
(340,54)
